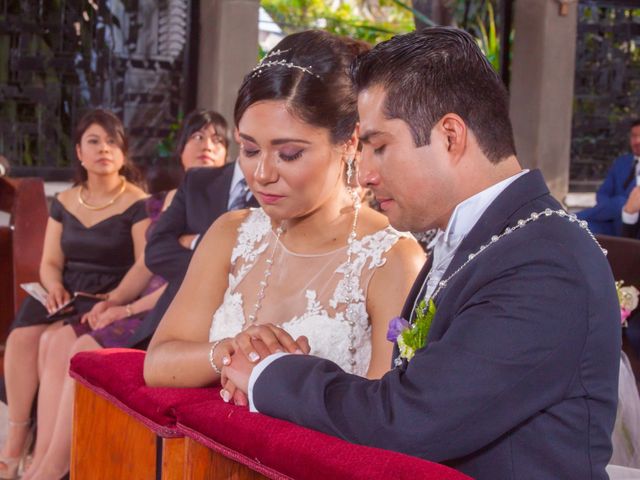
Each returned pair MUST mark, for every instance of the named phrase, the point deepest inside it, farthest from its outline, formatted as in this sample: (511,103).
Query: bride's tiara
(266,63)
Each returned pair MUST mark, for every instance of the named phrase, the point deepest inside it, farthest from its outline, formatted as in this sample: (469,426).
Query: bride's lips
(269,198)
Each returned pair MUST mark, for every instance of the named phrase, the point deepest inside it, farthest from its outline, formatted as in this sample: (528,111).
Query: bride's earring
(350,169)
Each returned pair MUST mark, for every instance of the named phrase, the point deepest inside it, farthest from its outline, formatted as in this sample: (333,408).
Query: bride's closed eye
(289,156)
(249,152)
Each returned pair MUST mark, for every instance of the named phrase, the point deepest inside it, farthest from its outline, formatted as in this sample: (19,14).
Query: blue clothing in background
(606,216)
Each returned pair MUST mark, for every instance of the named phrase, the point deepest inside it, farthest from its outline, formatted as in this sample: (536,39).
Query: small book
(37,291)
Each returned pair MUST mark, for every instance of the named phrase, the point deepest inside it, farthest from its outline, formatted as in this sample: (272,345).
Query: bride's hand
(275,339)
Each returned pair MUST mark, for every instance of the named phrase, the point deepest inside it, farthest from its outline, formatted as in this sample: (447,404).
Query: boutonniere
(628,298)
(412,337)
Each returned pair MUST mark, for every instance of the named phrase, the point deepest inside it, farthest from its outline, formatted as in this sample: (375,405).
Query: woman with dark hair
(115,321)
(94,234)
(203,141)
(312,259)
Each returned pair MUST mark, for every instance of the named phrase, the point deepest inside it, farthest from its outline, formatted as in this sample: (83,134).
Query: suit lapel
(500,215)
(407,309)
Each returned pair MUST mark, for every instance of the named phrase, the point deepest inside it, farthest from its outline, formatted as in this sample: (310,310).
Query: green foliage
(416,336)
(489,41)
(347,19)
(167,145)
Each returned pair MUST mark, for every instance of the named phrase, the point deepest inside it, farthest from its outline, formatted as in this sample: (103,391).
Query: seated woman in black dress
(114,322)
(95,233)
(202,141)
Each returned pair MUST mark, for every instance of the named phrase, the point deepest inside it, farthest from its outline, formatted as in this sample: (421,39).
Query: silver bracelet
(211,350)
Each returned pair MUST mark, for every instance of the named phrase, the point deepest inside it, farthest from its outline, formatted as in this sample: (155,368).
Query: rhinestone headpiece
(266,63)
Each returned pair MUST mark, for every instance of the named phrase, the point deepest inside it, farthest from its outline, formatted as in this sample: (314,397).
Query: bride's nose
(266,170)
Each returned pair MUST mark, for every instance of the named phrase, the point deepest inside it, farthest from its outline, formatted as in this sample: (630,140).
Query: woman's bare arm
(178,354)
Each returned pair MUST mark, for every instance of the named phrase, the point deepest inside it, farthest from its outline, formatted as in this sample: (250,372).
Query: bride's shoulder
(401,247)
(225,228)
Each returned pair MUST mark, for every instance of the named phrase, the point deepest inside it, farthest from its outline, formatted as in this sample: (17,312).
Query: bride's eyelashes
(290,156)
(248,152)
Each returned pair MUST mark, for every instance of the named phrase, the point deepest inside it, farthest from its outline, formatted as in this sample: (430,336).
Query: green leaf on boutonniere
(414,338)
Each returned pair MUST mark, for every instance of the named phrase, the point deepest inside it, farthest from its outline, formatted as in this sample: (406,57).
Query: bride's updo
(310,72)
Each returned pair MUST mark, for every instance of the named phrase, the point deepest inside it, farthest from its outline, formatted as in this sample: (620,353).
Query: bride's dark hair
(320,92)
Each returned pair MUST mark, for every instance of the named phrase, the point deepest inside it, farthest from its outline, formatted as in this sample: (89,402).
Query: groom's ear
(454,133)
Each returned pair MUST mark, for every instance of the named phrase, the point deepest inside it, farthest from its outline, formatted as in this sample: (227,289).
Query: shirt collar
(237,175)
(467,212)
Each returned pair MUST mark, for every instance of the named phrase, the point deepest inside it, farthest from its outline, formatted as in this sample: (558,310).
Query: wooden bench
(20,242)
(124,429)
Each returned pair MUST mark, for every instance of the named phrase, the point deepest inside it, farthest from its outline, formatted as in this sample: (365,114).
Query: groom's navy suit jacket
(519,376)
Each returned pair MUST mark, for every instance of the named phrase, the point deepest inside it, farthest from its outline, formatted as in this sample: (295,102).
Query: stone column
(542,77)
(228,50)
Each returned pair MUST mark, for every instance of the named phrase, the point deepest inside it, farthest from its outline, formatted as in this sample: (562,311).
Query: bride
(312,259)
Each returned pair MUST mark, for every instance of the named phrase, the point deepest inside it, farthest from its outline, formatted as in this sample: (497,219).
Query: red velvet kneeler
(272,447)
(116,374)
(275,447)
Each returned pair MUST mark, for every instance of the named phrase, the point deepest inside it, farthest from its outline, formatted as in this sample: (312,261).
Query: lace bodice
(305,294)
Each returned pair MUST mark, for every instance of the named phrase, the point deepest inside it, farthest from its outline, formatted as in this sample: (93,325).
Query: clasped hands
(104,313)
(239,355)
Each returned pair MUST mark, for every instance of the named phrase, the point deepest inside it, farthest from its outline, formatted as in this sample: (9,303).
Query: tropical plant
(363,20)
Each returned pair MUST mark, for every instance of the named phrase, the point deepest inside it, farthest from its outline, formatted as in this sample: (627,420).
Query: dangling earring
(350,169)
(353,193)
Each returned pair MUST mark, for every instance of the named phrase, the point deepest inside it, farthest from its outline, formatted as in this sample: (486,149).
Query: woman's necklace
(88,206)
(347,278)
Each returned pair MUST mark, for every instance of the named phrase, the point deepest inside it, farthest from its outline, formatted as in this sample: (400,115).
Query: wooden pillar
(228,50)
(542,77)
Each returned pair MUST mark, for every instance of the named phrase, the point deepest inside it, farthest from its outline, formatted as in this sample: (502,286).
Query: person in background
(94,235)
(203,195)
(312,258)
(620,189)
(115,321)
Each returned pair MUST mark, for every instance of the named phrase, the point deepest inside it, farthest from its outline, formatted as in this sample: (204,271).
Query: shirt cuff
(194,242)
(630,218)
(257,370)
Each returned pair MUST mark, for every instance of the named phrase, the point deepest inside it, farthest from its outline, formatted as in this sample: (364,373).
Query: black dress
(96,257)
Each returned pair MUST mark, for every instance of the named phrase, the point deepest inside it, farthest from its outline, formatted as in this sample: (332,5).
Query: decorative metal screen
(607,87)
(58,59)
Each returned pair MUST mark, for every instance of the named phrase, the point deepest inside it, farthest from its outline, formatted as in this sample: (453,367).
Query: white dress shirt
(235,180)
(632,218)
(445,244)
(463,219)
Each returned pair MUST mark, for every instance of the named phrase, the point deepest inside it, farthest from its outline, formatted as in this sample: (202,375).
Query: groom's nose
(368,175)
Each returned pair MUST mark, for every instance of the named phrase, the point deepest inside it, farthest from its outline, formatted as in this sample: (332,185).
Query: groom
(518,378)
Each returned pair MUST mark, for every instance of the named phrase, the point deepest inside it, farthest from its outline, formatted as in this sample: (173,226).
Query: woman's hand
(274,338)
(56,297)
(107,317)
(222,352)
(92,315)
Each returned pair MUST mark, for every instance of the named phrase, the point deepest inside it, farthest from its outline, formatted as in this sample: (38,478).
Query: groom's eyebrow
(368,134)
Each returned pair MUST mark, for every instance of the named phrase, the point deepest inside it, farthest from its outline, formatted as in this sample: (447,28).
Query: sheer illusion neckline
(306,255)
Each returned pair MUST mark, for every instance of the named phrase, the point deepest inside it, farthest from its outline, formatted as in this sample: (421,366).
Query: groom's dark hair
(429,73)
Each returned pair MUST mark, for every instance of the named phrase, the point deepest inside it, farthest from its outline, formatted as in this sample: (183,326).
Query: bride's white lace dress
(305,294)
